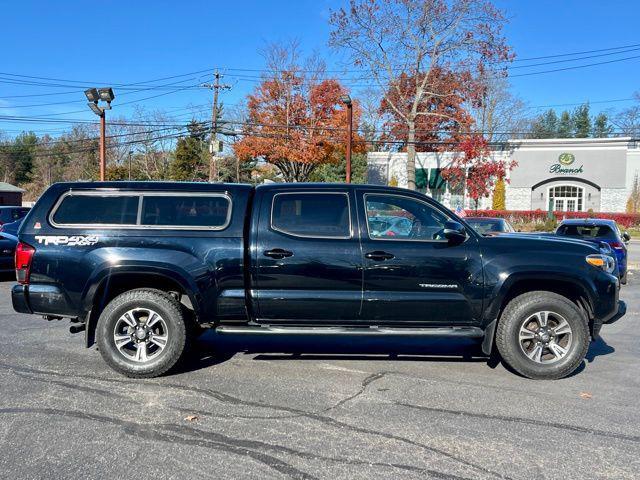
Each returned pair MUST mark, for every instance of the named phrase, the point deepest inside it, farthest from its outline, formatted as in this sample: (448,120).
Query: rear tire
(142,333)
(542,335)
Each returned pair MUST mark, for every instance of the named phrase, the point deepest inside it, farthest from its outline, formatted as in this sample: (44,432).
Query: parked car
(490,226)
(11,214)
(141,267)
(8,242)
(599,230)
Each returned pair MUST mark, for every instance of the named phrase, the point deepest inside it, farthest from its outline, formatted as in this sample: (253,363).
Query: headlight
(603,262)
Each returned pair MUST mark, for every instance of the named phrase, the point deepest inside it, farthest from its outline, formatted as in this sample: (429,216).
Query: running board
(472,332)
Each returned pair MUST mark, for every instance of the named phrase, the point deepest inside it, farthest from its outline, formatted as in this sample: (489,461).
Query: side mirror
(626,237)
(454,232)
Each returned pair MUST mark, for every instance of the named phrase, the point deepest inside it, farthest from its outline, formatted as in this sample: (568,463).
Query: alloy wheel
(140,335)
(545,337)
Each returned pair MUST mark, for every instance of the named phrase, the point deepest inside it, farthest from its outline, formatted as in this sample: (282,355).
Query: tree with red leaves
(475,170)
(296,120)
(415,37)
(448,122)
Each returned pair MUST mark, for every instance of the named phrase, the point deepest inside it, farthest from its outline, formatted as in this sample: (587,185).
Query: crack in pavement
(237,447)
(365,383)
(175,433)
(81,388)
(527,421)
(325,420)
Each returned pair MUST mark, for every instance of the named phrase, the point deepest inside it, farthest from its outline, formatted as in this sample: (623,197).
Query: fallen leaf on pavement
(191,418)
(585,395)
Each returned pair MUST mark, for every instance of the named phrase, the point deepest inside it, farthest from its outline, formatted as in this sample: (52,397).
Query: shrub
(498,202)
(540,216)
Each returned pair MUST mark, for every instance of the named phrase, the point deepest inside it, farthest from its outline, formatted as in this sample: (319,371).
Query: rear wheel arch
(111,284)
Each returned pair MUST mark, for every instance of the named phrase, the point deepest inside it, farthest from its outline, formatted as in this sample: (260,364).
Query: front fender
(505,282)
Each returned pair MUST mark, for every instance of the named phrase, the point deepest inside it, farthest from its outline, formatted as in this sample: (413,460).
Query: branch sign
(564,161)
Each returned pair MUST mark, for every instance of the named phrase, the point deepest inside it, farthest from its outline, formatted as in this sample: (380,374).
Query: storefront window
(566,198)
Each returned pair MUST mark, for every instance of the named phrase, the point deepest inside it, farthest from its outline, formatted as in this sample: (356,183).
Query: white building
(574,174)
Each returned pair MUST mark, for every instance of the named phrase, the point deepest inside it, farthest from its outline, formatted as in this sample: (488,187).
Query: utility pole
(346,99)
(214,146)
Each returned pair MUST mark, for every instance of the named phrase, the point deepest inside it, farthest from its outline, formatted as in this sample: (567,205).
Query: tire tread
(509,352)
(155,296)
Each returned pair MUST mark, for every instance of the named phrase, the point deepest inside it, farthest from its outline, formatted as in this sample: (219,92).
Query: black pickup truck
(143,267)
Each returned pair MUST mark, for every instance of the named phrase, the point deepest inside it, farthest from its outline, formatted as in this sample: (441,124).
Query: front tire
(142,333)
(542,335)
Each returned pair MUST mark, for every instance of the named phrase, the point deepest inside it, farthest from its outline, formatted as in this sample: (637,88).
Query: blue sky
(111,42)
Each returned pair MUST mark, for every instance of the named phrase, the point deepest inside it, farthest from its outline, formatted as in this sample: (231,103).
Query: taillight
(24,255)
(616,245)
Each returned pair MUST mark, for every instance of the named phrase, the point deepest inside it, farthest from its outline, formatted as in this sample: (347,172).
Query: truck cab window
(392,217)
(324,215)
(185,211)
(83,209)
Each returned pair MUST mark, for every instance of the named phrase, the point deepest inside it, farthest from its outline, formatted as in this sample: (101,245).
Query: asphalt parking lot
(352,410)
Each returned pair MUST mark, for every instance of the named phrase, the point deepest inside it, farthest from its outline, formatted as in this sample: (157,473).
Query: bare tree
(628,120)
(373,119)
(499,114)
(391,38)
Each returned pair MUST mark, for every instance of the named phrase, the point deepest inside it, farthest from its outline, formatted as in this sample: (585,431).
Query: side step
(470,332)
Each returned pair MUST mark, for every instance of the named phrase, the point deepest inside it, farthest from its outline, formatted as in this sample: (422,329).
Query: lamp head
(106,94)
(92,94)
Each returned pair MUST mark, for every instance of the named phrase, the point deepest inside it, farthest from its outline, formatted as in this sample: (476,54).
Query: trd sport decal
(72,241)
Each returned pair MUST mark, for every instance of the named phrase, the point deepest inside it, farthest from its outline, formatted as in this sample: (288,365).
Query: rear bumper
(42,299)
(19,299)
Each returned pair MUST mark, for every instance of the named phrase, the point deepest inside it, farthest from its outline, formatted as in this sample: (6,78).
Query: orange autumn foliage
(296,123)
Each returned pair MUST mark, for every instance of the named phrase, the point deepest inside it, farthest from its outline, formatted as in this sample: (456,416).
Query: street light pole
(130,153)
(346,99)
(106,95)
(103,146)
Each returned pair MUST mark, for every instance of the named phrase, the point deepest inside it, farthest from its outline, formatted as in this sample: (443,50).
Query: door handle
(379,255)
(277,253)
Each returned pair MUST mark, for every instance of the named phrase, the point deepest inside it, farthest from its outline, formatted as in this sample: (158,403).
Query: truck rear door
(307,262)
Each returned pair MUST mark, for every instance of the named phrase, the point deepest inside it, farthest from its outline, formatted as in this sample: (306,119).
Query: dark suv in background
(11,214)
(598,230)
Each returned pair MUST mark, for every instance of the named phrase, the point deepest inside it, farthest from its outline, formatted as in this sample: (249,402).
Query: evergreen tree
(189,163)
(23,155)
(633,202)
(545,126)
(581,121)
(565,126)
(337,172)
(601,126)
(498,201)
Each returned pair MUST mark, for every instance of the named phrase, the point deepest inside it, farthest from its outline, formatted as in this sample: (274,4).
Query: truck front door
(307,258)
(412,274)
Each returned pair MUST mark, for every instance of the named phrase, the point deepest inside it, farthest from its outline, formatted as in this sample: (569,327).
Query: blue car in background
(8,242)
(600,230)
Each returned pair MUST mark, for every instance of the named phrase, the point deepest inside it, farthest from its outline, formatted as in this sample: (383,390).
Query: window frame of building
(578,198)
